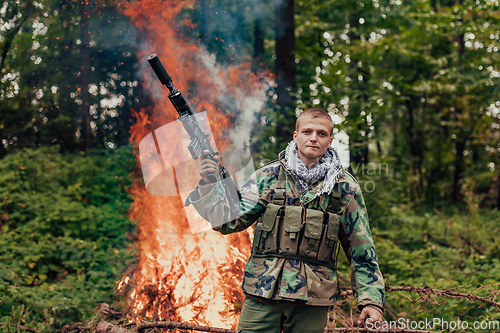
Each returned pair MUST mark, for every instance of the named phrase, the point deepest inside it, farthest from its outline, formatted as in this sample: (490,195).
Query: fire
(183,276)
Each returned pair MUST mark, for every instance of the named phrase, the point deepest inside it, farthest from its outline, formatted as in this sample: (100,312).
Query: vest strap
(295,257)
(280,188)
(335,201)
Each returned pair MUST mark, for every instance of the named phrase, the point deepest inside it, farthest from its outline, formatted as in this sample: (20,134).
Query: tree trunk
(258,46)
(461,136)
(66,134)
(434,5)
(498,203)
(458,167)
(359,152)
(3,151)
(411,141)
(415,141)
(204,18)
(359,155)
(85,74)
(11,34)
(285,62)
(8,38)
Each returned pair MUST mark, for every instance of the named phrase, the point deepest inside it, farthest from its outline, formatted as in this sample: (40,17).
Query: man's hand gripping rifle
(200,141)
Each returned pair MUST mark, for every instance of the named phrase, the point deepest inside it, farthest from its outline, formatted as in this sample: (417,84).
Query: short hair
(314,113)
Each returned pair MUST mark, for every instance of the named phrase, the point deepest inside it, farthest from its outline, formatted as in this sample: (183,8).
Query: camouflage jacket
(286,279)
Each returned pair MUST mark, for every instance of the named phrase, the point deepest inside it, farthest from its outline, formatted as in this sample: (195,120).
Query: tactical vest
(296,232)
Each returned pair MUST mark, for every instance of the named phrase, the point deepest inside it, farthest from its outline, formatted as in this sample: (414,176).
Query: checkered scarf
(328,167)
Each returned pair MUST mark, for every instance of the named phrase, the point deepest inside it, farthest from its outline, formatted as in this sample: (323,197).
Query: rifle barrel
(160,71)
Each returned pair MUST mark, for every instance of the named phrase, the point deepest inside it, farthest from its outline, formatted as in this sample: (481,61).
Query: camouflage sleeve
(210,202)
(356,239)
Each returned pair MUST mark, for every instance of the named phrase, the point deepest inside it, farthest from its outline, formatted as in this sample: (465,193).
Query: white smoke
(243,102)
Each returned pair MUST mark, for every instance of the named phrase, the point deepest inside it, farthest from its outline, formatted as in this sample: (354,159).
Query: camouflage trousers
(286,317)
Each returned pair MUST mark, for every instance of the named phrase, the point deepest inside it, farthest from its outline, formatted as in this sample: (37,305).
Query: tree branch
(365,330)
(11,34)
(181,326)
(176,325)
(105,327)
(23,327)
(427,291)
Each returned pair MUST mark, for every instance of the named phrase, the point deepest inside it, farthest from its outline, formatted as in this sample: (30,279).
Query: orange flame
(181,276)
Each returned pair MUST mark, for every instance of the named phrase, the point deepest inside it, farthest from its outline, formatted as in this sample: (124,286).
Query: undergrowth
(64,235)
(457,250)
(65,240)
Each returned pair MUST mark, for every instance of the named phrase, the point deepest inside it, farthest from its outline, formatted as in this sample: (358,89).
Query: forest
(412,87)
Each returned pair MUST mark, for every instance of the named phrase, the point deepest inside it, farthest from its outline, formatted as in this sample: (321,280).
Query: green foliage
(264,140)
(449,249)
(40,88)
(63,233)
(442,251)
(415,82)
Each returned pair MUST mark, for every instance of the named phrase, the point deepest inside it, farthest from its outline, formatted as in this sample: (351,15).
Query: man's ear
(294,135)
(331,140)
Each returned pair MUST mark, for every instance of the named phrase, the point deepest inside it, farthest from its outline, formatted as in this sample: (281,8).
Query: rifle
(200,140)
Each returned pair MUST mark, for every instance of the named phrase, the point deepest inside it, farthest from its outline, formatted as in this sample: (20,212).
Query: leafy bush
(457,248)
(63,233)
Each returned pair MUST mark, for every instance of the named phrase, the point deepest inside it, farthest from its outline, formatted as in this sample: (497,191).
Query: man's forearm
(366,278)
(208,199)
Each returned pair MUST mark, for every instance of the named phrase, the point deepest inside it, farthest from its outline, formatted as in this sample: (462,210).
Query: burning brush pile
(184,276)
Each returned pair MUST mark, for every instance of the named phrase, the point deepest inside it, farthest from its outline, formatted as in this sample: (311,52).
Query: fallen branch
(105,327)
(180,326)
(442,242)
(468,242)
(109,311)
(77,328)
(365,330)
(427,291)
(487,287)
(21,326)
(443,292)
(425,294)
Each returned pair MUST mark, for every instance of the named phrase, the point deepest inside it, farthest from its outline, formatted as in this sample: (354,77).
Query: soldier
(307,204)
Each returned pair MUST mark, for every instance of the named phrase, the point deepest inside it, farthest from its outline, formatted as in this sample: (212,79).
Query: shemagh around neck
(328,167)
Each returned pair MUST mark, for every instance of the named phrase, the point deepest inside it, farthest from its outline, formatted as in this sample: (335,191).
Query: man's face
(313,138)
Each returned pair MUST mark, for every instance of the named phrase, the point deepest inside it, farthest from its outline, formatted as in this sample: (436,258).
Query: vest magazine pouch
(268,243)
(329,241)
(333,229)
(293,220)
(313,230)
(326,253)
(257,238)
(289,240)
